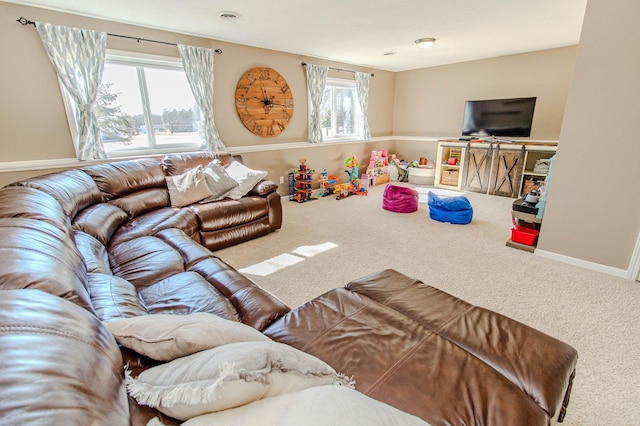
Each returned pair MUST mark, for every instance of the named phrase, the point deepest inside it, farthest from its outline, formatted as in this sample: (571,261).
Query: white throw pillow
(229,376)
(317,406)
(167,337)
(218,180)
(188,187)
(246,178)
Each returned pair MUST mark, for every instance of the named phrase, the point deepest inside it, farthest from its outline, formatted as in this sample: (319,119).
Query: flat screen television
(499,117)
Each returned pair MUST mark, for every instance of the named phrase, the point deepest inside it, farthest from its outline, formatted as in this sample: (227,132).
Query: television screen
(499,117)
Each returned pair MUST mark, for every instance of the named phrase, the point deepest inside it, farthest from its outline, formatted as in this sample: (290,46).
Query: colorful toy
(403,173)
(300,183)
(353,187)
(378,171)
(327,183)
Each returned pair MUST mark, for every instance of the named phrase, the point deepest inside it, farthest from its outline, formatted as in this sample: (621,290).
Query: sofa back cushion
(38,255)
(100,220)
(175,164)
(31,203)
(60,365)
(73,189)
(93,252)
(124,177)
(135,186)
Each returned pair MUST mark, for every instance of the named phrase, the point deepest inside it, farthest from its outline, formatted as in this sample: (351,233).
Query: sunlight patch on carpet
(272,265)
(310,251)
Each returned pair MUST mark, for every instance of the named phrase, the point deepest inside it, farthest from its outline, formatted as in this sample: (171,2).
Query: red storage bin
(523,235)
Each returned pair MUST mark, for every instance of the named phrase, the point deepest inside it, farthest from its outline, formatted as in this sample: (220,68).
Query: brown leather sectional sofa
(80,248)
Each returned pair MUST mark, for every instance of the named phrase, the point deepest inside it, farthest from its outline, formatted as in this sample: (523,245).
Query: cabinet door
(506,172)
(477,169)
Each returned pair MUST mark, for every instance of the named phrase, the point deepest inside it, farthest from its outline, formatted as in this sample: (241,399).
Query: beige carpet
(330,242)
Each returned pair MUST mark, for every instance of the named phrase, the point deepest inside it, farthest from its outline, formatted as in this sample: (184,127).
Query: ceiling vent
(228,15)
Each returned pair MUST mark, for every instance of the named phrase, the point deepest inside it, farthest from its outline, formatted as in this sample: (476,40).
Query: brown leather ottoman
(432,354)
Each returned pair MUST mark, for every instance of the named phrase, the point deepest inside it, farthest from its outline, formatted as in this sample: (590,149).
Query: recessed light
(425,43)
(228,15)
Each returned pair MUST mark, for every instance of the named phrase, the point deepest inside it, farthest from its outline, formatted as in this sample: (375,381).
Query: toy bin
(523,235)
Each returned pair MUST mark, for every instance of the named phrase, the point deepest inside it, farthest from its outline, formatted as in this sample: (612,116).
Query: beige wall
(430,101)
(593,211)
(33,125)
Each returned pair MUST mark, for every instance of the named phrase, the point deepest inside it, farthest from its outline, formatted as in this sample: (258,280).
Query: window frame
(335,82)
(144,60)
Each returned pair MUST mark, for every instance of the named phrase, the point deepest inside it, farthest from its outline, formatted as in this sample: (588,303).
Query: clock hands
(268,103)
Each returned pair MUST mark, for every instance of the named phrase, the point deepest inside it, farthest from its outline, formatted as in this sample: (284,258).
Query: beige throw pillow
(166,337)
(229,376)
(218,180)
(246,178)
(188,187)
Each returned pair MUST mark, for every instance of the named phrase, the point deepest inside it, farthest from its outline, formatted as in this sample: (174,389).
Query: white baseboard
(616,272)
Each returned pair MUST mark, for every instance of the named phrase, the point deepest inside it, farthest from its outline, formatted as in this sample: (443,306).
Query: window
(340,114)
(145,105)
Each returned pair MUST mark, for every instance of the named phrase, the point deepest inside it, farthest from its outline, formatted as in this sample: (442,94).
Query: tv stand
(493,168)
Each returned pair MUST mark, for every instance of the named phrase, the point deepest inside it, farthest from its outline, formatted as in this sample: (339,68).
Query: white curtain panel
(362,88)
(78,58)
(198,66)
(316,81)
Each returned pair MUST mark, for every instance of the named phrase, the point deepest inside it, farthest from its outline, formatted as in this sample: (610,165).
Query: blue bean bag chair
(456,210)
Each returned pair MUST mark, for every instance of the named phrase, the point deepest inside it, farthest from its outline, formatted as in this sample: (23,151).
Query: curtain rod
(25,21)
(304,64)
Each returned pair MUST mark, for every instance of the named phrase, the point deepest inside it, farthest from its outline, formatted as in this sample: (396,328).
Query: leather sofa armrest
(263,188)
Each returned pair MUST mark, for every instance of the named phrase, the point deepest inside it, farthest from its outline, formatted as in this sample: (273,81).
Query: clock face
(264,101)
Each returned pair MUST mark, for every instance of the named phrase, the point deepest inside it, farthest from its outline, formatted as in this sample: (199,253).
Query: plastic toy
(300,183)
(403,173)
(378,171)
(327,183)
(353,187)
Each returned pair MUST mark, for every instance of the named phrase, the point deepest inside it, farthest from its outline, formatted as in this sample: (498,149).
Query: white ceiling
(357,32)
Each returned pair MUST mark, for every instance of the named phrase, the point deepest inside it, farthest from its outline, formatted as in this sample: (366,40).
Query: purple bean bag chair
(399,199)
(456,210)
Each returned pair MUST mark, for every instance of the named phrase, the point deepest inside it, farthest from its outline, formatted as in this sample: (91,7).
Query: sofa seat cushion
(222,238)
(229,213)
(255,306)
(344,328)
(60,365)
(145,261)
(155,221)
(185,293)
(114,297)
